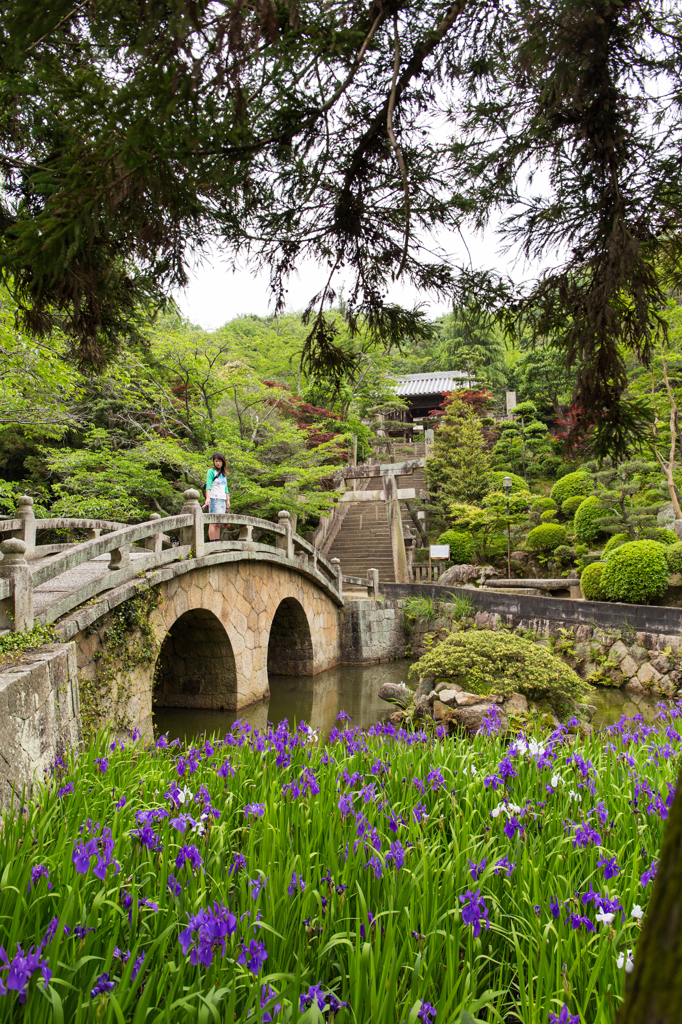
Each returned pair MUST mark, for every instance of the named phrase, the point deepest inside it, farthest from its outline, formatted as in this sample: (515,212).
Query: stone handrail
(18,580)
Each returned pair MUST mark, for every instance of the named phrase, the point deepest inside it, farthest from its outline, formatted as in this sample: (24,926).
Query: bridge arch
(290,645)
(196,666)
(238,603)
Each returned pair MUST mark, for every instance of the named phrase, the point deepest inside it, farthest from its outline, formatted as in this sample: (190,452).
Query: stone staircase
(363,541)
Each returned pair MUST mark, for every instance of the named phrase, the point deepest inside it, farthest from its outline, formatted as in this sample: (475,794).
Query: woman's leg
(214,531)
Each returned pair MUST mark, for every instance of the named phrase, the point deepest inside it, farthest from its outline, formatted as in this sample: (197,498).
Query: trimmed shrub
(673,556)
(635,572)
(571,504)
(518,483)
(486,661)
(663,536)
(548,515)
(648,497)
(564,553)
(542,504)
(590,582)
(615,542)
(586,517)
(462,546)
(570,485)
(546,537)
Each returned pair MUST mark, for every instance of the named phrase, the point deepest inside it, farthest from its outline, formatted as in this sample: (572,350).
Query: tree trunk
(653,994)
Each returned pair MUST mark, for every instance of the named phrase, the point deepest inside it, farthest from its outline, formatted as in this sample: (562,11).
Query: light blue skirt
(217,505)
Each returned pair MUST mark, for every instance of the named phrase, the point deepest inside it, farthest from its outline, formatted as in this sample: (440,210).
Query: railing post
(16,612)
(28,523)
(246,533)
(339,575)
(373,583)
(120,557)
(155,543)
(286,543)
(193,535)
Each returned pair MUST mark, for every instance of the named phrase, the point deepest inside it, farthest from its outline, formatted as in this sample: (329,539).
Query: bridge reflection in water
(315,700)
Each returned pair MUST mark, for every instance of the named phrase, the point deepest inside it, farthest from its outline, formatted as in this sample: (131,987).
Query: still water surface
(350,688)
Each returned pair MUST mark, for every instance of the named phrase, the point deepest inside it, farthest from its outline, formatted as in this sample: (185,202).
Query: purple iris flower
(474,911)
(121,804)
(238,863)
(188,855)
(258,810)
(102,764)
(504,864)
(253,956)
(346,803)
(610,867)
(39,871)
(563,1017)
(267,994)
(375,864)
(257,885)
(102,986)
(650,874)
(295,883)
(206,932)
(426,1012)
(174,886)
(325,1001)
(147,837)
(419,813)
(20,969)
(65,790)
(101,847)
(476,870)
(396,854)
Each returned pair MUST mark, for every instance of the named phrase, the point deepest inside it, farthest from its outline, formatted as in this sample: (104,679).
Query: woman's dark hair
(219,455)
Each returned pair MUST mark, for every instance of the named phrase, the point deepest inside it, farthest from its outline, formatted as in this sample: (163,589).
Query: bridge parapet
(41,583)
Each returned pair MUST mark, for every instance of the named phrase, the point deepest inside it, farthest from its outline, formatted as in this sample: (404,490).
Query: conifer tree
(459,468)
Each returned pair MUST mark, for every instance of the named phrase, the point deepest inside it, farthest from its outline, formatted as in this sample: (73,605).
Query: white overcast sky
(217,294)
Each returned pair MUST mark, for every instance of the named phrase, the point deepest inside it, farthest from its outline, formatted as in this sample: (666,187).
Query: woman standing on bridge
(217,494)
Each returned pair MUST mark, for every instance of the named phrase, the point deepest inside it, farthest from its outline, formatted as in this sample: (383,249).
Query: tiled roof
(429,383)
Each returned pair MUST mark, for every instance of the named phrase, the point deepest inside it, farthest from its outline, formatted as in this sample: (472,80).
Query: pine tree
(459,468)
(615,486)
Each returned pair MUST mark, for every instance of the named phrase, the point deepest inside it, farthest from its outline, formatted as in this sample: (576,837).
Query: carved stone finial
(13,550)
(191,495)
(25,501)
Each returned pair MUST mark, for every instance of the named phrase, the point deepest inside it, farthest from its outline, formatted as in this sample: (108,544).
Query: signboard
(437,551)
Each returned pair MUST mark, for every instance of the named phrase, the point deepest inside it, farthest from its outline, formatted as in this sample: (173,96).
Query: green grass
(417,948)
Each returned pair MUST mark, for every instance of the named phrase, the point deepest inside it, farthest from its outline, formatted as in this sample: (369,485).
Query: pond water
(317,700)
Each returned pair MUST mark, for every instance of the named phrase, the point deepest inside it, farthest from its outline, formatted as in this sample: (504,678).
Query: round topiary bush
(462,546)
(586,519)
(569,506)
(542,504)
(546,537)
(518,483)
(570,485)
(590,582)
(615,542)
(635,572)
(673,556)
(486,661)
(564,553)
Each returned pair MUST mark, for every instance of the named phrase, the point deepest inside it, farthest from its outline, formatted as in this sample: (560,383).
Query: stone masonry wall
(39,716)
(372,631)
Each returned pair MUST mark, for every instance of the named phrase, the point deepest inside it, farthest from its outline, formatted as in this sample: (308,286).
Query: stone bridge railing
(26,567)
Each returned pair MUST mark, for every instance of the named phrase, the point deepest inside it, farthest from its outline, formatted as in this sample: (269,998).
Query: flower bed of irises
(383,877)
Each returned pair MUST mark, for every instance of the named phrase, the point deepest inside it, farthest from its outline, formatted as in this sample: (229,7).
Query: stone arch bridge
(216,617)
